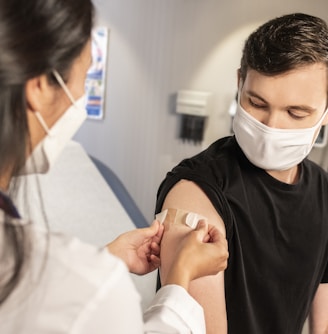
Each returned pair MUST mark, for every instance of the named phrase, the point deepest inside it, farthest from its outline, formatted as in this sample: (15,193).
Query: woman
(50,283)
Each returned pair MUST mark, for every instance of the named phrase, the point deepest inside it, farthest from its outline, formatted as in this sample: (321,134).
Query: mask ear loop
(63,86)
(323,116)
(68,93)
(42,122)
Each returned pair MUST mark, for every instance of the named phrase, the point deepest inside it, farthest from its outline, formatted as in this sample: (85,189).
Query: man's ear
(238,78)
(240,81)
(39,93)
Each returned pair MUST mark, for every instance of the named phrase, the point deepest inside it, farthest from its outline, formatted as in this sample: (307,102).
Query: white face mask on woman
(271,148)
(47,151)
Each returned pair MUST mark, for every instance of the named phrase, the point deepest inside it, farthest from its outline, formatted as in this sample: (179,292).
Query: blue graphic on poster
(96,76)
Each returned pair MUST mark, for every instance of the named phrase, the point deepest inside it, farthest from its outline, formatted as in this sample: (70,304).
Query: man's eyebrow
(295,107)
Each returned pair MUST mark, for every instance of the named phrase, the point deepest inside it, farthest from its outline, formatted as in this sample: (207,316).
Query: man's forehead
(306,86)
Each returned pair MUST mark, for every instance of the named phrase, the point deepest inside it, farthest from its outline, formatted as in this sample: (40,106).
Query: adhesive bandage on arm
(177,216)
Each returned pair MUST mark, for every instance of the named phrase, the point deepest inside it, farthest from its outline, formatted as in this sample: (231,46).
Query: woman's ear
(39,93)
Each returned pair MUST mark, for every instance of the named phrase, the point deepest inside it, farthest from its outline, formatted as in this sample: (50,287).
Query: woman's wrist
(114,249)
(178,275)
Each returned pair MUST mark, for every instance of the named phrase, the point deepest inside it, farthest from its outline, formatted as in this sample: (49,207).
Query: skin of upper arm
(209,290)
(318,318)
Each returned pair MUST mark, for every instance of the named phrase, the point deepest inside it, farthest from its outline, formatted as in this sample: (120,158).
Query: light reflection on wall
(219,70)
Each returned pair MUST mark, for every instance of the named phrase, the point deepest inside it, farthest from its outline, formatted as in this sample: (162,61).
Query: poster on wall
(96,75)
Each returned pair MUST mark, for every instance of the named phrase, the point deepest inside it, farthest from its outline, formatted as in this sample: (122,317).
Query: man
(259,188)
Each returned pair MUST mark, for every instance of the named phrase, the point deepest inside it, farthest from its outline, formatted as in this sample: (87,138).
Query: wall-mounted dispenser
(194,107)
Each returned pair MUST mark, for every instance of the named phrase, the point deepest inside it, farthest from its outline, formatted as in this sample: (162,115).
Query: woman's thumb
(202,229)
(152,229)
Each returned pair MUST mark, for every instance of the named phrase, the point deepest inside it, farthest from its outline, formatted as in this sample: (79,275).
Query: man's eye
(295,116)
(256,105)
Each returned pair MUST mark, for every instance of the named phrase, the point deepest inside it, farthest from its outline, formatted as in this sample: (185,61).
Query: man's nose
(271,119)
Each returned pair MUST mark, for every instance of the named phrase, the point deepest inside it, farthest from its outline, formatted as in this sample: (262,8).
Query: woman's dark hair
(285,43)
(35,38)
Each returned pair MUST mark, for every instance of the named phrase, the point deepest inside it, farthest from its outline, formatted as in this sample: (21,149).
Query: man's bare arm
(319,311)
(208,291)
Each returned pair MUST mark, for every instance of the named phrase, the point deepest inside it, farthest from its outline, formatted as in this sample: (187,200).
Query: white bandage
(161,216)
(192,219)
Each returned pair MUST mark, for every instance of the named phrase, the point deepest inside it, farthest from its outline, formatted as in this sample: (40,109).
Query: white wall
(156,48)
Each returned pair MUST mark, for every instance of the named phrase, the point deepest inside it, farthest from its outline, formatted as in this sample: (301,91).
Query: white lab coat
(84,290)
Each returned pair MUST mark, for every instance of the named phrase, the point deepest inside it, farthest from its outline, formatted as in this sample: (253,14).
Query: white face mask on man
(271,148)
(47,151)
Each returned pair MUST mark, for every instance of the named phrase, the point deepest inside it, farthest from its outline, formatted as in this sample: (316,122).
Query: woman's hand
(139,248)
(202,252)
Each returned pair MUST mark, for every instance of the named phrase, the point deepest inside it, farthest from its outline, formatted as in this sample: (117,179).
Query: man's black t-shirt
(277,235)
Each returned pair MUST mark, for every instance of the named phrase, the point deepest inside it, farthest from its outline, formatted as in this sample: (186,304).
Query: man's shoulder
(223,148)
(212,164)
